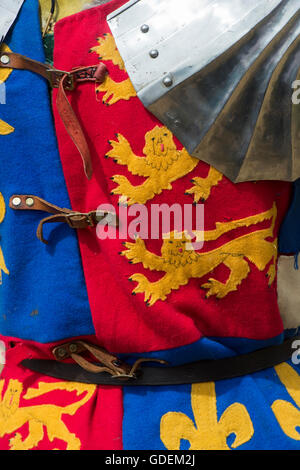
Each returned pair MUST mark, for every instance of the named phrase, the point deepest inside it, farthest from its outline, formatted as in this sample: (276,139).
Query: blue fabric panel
(289,236)
(44,297)
(144,408)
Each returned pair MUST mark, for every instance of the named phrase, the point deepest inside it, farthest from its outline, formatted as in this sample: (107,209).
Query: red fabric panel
(123,322)
(42,413)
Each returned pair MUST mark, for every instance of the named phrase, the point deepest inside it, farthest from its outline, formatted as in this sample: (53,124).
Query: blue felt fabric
(44,297)
(144,408)
(289,236)
(207,348)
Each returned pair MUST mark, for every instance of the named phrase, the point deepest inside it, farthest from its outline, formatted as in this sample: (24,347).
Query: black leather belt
(195,372)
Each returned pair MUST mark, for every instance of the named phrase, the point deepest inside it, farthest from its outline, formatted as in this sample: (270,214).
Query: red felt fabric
(91,424)
(123,322)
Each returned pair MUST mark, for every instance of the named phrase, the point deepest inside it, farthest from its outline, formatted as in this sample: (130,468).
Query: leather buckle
(74,219)
(55,77)
(76,75)
(84,73)
(108,362)
(90,218)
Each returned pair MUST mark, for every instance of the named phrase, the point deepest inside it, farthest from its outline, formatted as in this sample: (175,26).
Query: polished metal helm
(219,75)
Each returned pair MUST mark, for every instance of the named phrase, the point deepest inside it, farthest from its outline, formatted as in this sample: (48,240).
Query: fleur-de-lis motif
(287,415)
(207,433)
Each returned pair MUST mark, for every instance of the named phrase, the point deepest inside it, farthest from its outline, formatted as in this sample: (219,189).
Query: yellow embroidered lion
(207,433)
(114,91)
(5,128)
(181,263)
(13,417)
(162,164)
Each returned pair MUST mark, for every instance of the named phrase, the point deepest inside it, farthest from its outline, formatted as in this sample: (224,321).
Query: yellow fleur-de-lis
(207,433)
(287,415)
(4,74)
(2,262)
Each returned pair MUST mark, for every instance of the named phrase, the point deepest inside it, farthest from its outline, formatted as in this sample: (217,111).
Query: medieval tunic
(150,297)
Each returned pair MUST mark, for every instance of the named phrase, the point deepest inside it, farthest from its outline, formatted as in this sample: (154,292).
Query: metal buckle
(55,76)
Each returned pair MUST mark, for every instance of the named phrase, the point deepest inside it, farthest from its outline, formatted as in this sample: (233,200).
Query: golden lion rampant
(13,417)
(181,263)
(114,91)
(162,164)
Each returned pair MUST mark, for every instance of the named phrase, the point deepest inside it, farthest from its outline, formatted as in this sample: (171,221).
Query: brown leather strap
(68,116)
(73,127)
(11,60)
(76,220)
(109,363)
(94,73)
(63,81)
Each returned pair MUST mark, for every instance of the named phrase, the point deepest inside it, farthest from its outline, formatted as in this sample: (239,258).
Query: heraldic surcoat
(161,298)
